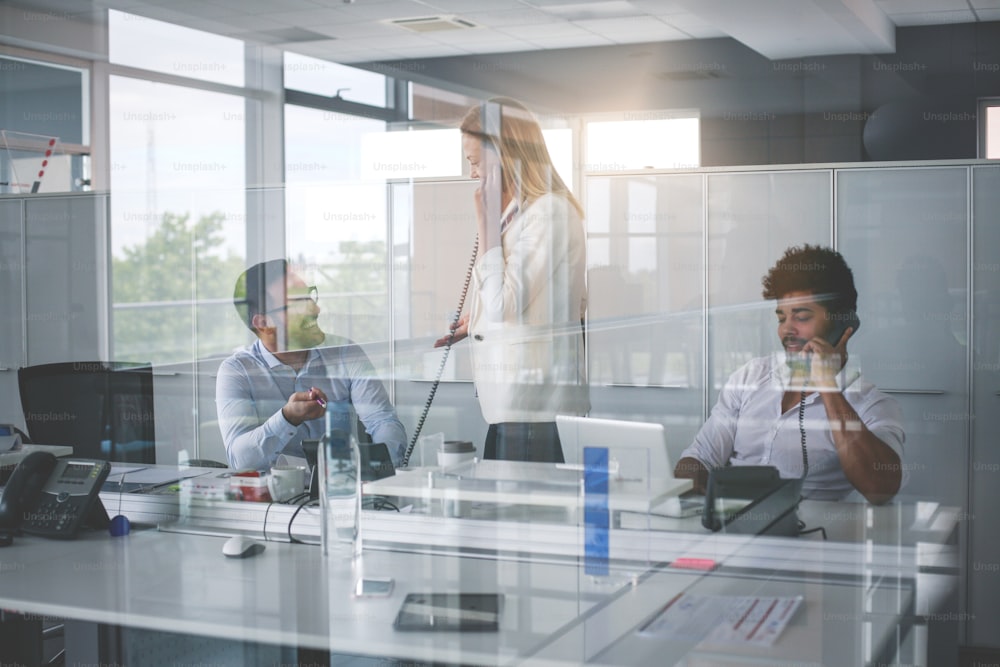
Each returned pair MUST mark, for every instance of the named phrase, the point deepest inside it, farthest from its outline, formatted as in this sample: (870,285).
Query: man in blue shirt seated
(273,394)
(806,410)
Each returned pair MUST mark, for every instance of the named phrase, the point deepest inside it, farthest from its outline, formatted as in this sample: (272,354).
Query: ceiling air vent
(433,23)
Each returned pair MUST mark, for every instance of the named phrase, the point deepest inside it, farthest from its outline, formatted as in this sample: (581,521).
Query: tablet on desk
(450,612)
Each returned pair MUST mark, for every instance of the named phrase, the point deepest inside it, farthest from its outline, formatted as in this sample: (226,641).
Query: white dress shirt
(253,386)
(747,427)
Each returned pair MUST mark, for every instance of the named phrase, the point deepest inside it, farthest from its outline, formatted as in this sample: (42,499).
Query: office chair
(103,409)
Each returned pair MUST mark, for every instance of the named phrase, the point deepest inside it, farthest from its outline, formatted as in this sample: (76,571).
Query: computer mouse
(241,546)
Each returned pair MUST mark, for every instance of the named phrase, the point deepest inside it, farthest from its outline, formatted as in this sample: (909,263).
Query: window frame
(982,128)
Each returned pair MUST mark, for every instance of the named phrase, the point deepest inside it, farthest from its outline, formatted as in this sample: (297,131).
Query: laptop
(639,462)
(648,441)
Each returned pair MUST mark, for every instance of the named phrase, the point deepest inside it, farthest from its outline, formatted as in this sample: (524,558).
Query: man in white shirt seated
(806,410)
(273,394)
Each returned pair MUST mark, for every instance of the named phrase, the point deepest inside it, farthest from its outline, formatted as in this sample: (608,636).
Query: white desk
(554,613)
(525,483)
(289,595)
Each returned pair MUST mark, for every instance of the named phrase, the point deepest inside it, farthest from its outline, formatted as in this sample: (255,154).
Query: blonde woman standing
(528,294)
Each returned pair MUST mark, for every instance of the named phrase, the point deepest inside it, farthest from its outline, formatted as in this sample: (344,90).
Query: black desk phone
(53,497)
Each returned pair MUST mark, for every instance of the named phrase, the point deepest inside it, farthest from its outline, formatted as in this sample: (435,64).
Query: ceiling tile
(260,6)
(575,42)
(506,46)
(522,16)
(436,51)
(471,37)
(468,6)
(631,30)
(310,17)
(694,26)
(364,10)
(257,22)
(357,30)
(988,14)
(560,3)
(543,32)
(394,42)
(199,8)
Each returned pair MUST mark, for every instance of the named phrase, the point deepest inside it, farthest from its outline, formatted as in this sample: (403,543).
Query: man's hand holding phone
(825,356)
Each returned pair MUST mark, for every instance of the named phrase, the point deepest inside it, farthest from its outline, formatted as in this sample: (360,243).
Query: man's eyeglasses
(312,294)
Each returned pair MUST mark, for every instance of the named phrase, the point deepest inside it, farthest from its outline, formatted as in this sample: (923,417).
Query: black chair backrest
(103,409)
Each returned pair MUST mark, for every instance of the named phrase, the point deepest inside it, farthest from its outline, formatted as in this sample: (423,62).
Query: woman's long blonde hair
(528,172)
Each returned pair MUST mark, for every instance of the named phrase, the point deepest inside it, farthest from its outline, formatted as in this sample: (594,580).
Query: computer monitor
(104,410)
(575,433)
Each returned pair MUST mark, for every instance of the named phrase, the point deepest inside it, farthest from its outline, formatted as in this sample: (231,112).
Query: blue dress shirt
(253,385)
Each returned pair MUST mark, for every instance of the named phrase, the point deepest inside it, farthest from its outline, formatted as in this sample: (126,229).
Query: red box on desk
(250,486)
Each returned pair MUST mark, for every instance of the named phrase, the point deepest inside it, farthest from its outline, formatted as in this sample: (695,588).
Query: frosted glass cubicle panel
(65,273)
(905,234)
(984,540)
(433,227)
(11,338)
(645,253)
(55,294)
(752,218)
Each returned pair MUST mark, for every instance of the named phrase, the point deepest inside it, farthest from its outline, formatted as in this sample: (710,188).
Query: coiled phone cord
(805,463)
(444,358)
(802,434)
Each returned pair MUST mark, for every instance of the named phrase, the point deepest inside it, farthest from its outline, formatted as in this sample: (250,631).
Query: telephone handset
(53,497)
(844,321)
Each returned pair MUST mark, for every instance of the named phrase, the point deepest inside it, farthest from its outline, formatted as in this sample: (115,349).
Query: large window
(178,210)
(137,41)
(335,222)
(651,140)
(321,77)
(44,126)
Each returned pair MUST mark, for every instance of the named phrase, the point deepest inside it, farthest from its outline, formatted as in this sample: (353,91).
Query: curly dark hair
(815,269)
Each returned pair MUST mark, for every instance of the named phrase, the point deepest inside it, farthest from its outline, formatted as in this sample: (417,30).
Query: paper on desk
(723,619)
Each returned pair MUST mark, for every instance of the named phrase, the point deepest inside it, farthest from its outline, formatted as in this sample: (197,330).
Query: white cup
(286,482)
(453,452)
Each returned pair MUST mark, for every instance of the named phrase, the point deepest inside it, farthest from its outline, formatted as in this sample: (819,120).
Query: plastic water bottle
(340,482)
